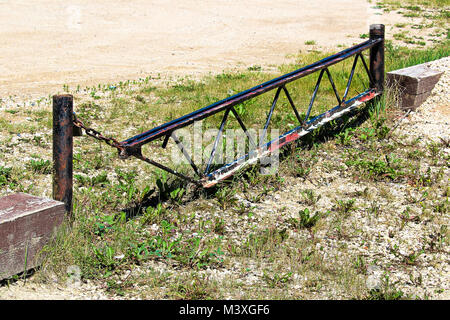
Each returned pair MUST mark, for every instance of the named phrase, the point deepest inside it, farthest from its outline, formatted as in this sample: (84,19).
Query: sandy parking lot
(45,44)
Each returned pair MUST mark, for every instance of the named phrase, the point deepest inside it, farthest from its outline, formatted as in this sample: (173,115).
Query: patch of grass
(5,174)
(195,287)
(226,197)
(306,219)
(388,291)
(344,207)
(364,35)
(401,57)
(411,259)
(40,166)
(400,36)
(309,197)
(276,280)
(376,168)
(414,4)
(263,241)
(411,14)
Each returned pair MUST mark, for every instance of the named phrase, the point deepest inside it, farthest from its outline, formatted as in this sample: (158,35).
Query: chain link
(97,135)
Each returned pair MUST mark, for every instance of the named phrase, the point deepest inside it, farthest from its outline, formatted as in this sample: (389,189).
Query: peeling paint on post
(377,57)
(63,150)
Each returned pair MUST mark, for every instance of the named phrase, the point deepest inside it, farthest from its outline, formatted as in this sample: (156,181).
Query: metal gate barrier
(65,122)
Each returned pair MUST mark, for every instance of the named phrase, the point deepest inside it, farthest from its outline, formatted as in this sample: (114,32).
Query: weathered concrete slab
(414,100)
(27,223)
(414,83)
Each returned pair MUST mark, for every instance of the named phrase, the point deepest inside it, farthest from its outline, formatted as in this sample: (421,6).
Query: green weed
(306,219)
(40,166)
(276,280)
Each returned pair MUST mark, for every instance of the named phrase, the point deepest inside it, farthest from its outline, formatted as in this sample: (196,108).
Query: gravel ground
(433,117)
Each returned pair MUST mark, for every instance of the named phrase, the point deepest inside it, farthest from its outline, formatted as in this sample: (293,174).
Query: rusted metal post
(63,150)
(377,57)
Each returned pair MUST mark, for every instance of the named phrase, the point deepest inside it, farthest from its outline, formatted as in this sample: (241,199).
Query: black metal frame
(132,146)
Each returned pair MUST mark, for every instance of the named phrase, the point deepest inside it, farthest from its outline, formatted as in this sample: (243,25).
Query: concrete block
(414,83)
(27,223)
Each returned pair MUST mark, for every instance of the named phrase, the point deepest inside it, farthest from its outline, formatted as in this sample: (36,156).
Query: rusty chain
(97,135)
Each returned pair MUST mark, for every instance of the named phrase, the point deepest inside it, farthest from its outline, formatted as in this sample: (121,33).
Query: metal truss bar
(239,120)
(314,95)
(275,99)
(216,142)
(366,68)
(334,87)
(292,104)
(350,78)
(166,140)
(185,153)
(139,155)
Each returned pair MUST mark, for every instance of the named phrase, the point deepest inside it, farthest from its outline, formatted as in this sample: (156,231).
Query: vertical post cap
(376,31)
